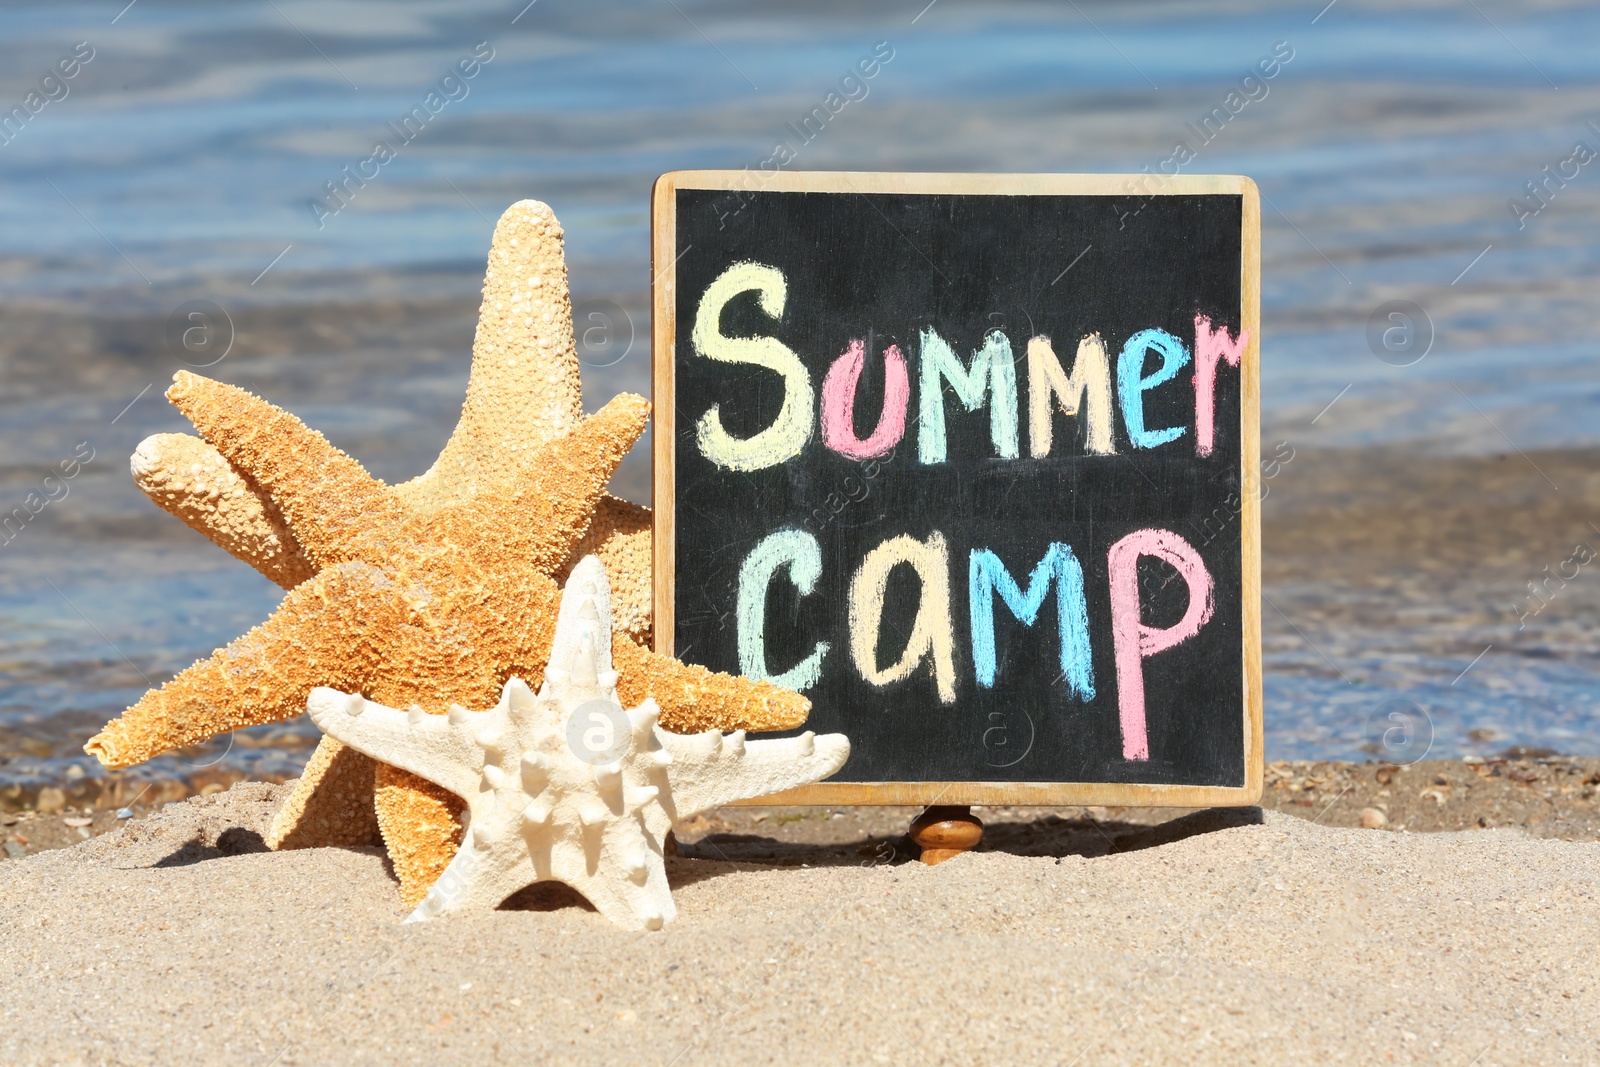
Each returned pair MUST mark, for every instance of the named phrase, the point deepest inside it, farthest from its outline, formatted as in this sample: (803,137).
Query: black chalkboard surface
(967,460)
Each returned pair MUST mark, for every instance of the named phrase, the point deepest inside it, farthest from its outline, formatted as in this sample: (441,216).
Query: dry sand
(1224,937)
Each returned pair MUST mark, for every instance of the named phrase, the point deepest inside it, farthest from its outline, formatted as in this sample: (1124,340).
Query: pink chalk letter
(1210,346)
(1133,640)
(839,403)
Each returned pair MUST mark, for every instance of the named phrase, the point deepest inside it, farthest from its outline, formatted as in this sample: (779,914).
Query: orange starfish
(497,512)
(524,391)
(427,610)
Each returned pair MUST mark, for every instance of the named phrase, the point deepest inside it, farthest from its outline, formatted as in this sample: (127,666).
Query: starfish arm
(620,870)
(709,769)
(444,749)
(421,826)
(334,628)
(331,805)
(693,698)
(188,478)
(622,536)
(337,510)
(477,878)
(569,476)
(524,388)
(420,820)
(542,510)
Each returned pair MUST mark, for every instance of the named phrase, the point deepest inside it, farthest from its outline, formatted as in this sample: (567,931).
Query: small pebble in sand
(78,820)
(1373,819)
(124,813)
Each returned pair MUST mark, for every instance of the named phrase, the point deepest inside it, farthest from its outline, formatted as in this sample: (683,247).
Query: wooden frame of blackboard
(664,330)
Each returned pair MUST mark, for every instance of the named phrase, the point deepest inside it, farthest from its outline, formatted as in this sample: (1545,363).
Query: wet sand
(1398,580)
(1541,796)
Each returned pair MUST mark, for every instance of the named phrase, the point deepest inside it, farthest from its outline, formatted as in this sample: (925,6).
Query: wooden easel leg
(946,830)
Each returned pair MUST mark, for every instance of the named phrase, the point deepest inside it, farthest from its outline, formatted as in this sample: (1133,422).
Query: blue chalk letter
(987,574)
(798,551)
(1131,384)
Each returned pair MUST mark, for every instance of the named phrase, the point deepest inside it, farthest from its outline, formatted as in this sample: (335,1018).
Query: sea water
(222,160)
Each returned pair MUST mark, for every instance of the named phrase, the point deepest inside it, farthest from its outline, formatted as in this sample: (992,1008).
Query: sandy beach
(1219,937)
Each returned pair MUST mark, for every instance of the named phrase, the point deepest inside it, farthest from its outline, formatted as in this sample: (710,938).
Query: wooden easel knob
(946,830)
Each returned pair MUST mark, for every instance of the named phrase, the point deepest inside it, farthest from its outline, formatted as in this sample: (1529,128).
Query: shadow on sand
(1049,836)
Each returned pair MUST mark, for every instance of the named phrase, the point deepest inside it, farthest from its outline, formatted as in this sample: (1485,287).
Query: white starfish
(566,785)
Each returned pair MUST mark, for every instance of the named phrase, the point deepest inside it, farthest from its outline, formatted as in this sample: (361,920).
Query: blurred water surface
(182,160)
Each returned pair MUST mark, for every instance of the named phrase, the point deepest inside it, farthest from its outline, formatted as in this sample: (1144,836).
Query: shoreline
(1541,796)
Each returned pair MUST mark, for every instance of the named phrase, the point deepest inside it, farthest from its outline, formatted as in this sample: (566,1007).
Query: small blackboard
(969,460)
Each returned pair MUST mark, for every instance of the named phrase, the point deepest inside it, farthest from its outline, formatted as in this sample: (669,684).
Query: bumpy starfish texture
(566,786)
(188,477)
(524,392)
(428,609)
